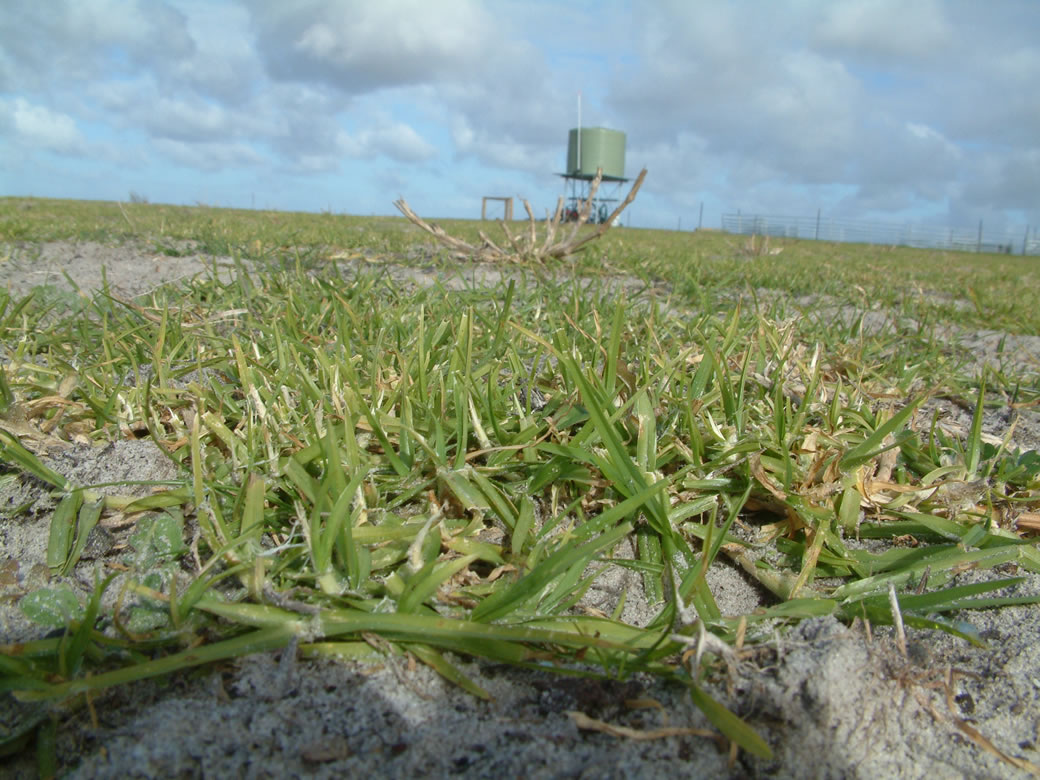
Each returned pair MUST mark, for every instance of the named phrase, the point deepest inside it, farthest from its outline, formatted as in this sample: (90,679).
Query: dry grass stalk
(527,247)
(757,246)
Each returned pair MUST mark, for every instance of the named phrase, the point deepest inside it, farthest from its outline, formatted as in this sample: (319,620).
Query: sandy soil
(833,701)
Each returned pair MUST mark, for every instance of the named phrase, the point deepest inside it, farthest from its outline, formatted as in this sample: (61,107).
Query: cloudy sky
(901,110)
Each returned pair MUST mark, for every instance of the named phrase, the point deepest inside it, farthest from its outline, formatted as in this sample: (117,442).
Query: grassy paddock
(977,290)
(361,457)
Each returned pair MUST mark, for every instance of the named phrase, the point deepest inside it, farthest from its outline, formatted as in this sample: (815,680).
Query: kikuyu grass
(346,443)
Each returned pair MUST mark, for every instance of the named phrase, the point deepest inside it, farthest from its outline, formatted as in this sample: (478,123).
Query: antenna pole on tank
(579,131)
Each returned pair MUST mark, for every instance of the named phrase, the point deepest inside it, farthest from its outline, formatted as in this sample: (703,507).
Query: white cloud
(499,148)
(188,119)
(932,138)
(359,46)
(39,126)
(886,29)
(1002,182)
(726,76)
(75,40)
(224,64)
(210,156)
(395,140)
(453,59)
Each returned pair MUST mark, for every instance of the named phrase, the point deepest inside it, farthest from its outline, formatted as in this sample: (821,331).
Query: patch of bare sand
(129,270)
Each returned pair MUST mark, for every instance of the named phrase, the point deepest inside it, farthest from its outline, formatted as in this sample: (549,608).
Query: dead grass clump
(529,247)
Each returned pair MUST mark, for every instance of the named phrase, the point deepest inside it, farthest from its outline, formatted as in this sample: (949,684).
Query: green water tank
(599,148)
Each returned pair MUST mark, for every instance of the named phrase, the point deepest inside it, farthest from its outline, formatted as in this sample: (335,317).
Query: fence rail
(1021,240)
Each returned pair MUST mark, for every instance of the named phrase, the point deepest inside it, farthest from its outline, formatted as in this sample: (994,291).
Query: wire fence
(1024,241)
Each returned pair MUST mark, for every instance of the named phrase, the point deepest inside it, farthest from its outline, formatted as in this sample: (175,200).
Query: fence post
(1025,241)
(978,245)
(700,219)
(817,224)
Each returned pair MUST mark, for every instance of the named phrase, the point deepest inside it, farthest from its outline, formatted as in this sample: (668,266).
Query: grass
(345,444)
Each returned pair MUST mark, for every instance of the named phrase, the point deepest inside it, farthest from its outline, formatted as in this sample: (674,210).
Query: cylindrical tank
(598,148)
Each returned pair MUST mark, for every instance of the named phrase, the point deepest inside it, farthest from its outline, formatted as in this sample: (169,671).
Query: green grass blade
(513,597)
(89,513)
(874,445)
(272,638)
(427,580)
(728,723)
(12,451)
(447,670)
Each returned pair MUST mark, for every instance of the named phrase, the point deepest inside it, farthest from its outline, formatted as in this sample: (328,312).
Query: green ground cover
(362,457)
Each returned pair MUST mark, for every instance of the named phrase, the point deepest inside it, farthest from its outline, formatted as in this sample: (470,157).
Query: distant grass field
(976,290)
(371,432)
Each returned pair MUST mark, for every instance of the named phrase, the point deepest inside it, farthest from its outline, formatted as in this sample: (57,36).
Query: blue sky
(900,110)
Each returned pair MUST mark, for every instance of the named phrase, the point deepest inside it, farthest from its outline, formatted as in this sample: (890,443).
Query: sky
(891,110)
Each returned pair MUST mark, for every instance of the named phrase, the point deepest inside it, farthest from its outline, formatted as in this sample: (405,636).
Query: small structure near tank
(507,203)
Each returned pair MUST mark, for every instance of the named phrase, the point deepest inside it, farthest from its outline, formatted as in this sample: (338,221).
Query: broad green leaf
(52,607)
(62,526)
